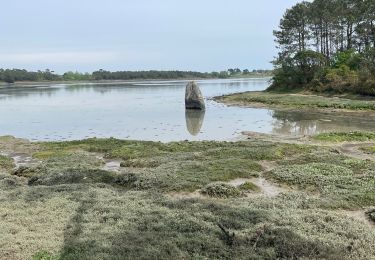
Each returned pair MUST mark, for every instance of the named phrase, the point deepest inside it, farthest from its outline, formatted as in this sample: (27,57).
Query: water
(152,110)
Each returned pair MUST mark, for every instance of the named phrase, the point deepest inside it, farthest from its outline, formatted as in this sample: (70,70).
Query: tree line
(327,45)
(13,75)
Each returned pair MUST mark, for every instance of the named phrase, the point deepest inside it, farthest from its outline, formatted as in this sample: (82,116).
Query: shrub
(371,214)
(43,255)
(24,171)
(140,163)
(6,163)
(249,186)
(8,182)
(341,80)
(74,176)
(339,184)
(221,190)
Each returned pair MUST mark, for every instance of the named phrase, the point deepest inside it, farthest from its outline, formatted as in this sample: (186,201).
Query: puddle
(113,166)
(22,159)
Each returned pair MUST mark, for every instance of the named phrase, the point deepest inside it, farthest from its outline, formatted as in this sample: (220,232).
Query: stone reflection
(194,120)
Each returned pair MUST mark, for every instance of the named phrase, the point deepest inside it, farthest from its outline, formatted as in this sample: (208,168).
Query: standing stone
(193,97)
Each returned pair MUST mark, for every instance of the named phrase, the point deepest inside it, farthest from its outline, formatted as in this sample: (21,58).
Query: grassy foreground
(296,100)
(176,201)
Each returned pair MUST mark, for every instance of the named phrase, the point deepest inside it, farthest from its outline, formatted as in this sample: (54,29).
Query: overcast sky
(87,35)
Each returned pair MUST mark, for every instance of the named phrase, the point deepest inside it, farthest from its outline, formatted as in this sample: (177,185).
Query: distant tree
(293,35)
(325,44)
(224,74)
(49,75)
(9,77)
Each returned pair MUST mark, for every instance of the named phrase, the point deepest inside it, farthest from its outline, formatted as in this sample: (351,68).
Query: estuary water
(152,110)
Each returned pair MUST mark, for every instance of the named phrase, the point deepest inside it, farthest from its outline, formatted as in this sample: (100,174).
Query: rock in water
(193,97)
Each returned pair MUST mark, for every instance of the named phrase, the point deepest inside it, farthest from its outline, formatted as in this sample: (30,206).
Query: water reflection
(24,92)
(153,110)
(194,120)
(310,122)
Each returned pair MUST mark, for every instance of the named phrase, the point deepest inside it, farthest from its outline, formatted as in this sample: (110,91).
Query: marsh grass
(178,166)
(221,190)
(249,186)
(299,101)
(103,223)
(6,163)
(68,207)
(340,185)
(141,163)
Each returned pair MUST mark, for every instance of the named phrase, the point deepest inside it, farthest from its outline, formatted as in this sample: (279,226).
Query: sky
(87,35)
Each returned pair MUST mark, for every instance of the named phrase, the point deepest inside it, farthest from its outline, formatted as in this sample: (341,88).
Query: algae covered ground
(346,137)
(251,199)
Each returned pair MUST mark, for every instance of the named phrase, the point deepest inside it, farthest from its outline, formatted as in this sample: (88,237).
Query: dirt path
(267,188)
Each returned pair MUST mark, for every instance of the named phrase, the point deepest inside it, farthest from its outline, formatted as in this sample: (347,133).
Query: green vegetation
(369,150)
(43,255)
(298,101)
(338,185)
(346,137)
(249,186)
(140,163)
(174,166)
(246,73)
(221,190)
(68,207)
(327,46)
(371,214)
(13,75)
(5,163)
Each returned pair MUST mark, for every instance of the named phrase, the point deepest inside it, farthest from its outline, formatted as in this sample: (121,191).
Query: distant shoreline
(72,82)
